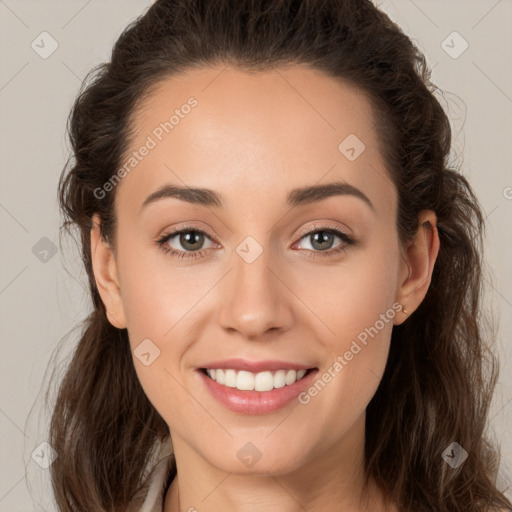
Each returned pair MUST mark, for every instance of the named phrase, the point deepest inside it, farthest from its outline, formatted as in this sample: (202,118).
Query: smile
(248,381)
(246,392)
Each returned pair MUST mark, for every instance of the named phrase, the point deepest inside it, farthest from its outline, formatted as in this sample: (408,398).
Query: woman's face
(267,278)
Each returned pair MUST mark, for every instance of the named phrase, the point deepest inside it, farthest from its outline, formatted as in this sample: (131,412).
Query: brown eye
(191,240)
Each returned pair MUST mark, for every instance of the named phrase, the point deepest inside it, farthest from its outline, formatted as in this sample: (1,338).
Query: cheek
(353,309)
(158,300)
(156,294)
(350,295)
(165,304)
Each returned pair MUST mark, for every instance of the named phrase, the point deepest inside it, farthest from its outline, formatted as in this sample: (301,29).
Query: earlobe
(421,256)
(106,275)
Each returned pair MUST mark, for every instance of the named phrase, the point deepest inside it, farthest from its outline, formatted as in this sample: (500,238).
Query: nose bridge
(254,300)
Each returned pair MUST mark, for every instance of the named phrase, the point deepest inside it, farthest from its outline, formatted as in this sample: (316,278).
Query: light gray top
(150,497)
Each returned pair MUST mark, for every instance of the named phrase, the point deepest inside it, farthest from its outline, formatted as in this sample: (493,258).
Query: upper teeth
(263,381)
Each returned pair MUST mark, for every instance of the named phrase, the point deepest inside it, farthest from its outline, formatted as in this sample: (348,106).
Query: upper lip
(255,366)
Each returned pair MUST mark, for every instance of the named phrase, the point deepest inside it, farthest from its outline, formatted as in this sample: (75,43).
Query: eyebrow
(296,197)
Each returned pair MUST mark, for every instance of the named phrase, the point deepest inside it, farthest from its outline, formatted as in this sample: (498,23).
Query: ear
(420,257)
(106,275)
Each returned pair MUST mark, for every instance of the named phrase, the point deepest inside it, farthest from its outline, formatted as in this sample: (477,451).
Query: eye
(190,239)
(321,239)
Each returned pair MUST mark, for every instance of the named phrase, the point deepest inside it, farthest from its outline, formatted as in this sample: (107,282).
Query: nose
(254,299)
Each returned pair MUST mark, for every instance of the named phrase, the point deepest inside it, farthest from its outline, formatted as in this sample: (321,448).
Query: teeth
(263,381)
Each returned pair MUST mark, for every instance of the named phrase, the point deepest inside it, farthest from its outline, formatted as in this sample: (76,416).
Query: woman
(285,272)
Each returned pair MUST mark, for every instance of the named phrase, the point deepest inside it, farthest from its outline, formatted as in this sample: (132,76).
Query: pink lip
(256,402)
(254,366)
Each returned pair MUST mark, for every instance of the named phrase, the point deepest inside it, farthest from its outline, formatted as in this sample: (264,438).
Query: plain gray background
(41,301)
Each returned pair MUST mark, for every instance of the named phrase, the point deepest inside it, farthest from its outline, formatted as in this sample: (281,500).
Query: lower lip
(256,402)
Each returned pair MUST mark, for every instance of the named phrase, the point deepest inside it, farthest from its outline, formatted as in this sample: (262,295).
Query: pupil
(189,238)
(324,237)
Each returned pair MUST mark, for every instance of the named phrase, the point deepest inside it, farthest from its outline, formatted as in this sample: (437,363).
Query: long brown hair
(441,373)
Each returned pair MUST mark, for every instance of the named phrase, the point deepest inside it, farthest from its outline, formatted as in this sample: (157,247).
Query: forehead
(256,131)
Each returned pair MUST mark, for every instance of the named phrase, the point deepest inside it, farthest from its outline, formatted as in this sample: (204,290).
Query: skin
(252,138)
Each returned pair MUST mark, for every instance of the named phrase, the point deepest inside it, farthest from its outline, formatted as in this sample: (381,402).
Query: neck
(332,480)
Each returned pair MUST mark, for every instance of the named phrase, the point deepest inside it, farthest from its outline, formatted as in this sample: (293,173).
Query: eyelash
(161,242)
